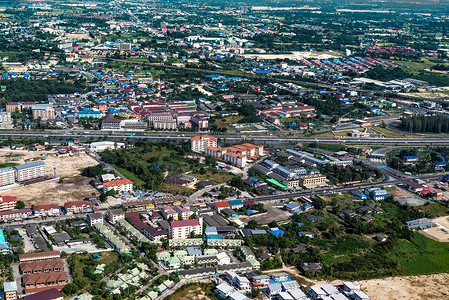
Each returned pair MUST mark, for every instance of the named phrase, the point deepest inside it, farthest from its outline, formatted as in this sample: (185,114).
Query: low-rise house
(280,277)
(121,186)
(115,214)
(310,267)
(261,280)
(76,207)
(95,218)
(247,253)
(273,289)
(206,260)
(241,283)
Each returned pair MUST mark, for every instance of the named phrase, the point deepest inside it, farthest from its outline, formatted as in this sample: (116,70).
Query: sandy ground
(74,187)
(440,232)
(425,95)
(408,288)
(65,166)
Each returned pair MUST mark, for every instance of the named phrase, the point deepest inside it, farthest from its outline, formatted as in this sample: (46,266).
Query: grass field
(8,164)
(131,176)
(225,122)
(422,255)
(218,177)
(391,134)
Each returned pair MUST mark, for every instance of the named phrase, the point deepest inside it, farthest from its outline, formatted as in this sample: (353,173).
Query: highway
(270,139)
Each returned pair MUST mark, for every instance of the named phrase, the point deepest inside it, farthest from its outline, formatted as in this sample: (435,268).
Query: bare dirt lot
(65,166)
(440,232)
(408,288)
(52,192)
(74,186)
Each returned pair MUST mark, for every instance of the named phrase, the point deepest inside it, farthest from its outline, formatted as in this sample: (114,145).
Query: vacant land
(65,166)
(422,255)
(52,192)
(408,288)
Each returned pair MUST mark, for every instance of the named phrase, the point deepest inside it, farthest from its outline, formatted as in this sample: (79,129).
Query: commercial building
(184,228)
(312,181)
(199,143)
(30,170)
(121,186)
(76,207)
(14,214)
(101,146)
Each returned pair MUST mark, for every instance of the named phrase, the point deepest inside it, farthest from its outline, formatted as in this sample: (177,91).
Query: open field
(65,166)
(408,288)
(74,186)
(72,189)
(274,213)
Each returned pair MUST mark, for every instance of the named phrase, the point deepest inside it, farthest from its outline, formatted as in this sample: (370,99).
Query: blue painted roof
(29,165)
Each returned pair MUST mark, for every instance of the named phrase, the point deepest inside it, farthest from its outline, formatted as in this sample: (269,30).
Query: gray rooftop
(30,165)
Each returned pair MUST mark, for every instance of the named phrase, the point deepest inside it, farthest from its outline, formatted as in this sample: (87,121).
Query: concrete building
(30,170)
(95,218)
(121,186)
(165,125)
(7,176)
(43,111)
(199,143)
(312,181)
(7,202)
(184,228)
(111,123)
(50,210)
(101,146)
(76,207)
(115,214)
(10,289)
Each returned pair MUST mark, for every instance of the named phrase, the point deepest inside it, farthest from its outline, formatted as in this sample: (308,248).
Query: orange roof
(215,149)
(222,204)
(234,154)
(117,182)
(203,137)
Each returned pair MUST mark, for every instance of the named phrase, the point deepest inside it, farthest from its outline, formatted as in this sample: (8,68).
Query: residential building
(76,207)
(121,186)
(51,294)
(95,218)
(43,266)
(169,213)
(34,282)
(184,228)
(30,170)
(260,280)
(7,176)
(10,289)
(235,159)
(110,123)
(43,111)
(115,214)
(199,143)
(39,256)
(7,202)
(241,283)
(184,211)
(165,125)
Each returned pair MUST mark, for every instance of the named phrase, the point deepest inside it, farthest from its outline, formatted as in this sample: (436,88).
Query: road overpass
(232,138)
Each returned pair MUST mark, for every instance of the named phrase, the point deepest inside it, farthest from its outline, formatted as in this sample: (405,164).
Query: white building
(199,143)
(115,214)
(95,218)
(30,170)
(184,228)
(7,176)
(101,146)
(121,186)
